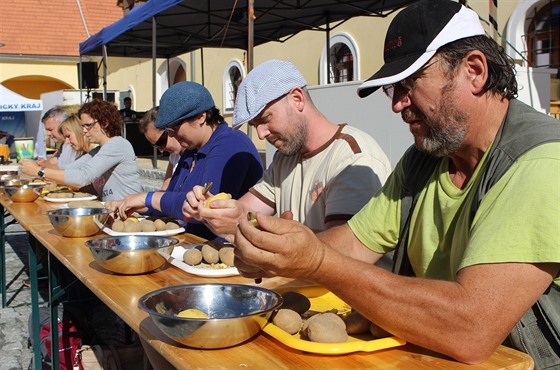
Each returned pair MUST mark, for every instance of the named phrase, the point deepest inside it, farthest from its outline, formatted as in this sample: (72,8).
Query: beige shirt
(331,183)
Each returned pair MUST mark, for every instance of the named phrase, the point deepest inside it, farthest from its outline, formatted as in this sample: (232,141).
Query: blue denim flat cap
(182,101)
(264,84)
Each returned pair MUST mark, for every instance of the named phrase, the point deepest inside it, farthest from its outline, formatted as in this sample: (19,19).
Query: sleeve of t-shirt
(89,167)
(377,224)
(216,170)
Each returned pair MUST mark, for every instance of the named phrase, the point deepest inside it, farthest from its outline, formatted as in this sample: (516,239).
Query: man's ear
(297,95)
(476,67)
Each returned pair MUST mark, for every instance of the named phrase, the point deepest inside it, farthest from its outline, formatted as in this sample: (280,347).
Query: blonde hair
(74,124)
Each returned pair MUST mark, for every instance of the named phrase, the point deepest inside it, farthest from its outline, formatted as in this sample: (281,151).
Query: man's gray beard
(444,141)
(448,138)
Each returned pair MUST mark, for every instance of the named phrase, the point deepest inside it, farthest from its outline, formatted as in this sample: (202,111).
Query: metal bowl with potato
(210,315)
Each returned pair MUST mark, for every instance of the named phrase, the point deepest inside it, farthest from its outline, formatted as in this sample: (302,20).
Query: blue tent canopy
(186,25)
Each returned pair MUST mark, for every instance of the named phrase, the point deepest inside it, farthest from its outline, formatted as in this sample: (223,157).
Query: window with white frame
(343,60)
(233,75)
(543,35)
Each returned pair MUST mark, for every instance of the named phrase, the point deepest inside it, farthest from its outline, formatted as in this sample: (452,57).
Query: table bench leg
(34,282)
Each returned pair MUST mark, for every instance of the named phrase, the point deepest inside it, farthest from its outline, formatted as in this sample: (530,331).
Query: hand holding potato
(280,247)
(219,212)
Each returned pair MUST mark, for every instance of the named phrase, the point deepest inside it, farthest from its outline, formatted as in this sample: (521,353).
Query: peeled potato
(215,197)
(193,313)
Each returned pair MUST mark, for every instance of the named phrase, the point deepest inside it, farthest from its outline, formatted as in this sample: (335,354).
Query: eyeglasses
(88,126)
(174,127)
(162,141)
(408,83)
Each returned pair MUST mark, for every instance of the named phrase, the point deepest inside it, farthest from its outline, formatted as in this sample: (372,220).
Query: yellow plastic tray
(324,300)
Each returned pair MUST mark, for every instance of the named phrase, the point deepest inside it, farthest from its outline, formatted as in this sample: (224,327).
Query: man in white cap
(322,172)
(475,203)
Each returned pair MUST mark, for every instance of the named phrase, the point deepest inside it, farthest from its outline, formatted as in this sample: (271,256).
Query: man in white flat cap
(471,210)
(322,172)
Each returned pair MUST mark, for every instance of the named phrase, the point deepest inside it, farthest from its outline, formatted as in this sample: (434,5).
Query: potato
(216,197)
(378,332)
(160,225)
(193,313)
(326,328)
(192,256)
(210,254)
(80,194)
(296,301)
(118,225)
(288,320)
(147,226)
(226,255)
(171,226)
(356,323)
(86,204)
(132,227)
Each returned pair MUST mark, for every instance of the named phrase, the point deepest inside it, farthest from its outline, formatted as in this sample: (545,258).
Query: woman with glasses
(71,130)
(110,168)
(162,142)
(213,153)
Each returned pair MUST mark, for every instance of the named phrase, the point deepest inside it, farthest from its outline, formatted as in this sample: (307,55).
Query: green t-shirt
(517,221)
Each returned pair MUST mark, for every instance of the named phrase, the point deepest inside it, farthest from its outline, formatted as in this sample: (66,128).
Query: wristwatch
(41,172)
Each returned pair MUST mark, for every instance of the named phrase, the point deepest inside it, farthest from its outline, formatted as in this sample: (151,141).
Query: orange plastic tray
(324,300)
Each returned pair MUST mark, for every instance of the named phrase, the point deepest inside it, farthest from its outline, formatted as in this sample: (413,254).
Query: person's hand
(193,199)
(29,167)
(278,247)
(113,207)
(222,218)
(130,204)
(52,162)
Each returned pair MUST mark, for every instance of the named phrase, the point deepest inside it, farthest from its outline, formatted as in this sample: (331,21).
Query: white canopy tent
(12,108)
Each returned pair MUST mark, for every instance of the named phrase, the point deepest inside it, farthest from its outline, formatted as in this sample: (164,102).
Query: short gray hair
(58,114)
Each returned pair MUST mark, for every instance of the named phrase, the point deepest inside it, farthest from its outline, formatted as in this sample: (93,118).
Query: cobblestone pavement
(15,353)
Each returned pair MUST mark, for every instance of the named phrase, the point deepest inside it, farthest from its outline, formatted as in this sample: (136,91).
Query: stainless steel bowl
(8,172)
(10,180)
(78,222)
(24,192)
(130,254)
(235,312)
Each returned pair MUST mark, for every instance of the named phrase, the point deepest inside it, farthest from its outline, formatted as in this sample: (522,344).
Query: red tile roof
(52,27)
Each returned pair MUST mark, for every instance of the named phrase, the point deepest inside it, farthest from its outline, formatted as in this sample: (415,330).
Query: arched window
(233,75)
(169,74)
(343,62)
(543,35)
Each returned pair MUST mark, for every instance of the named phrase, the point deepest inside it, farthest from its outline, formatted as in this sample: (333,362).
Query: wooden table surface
(121,294)
(29,213)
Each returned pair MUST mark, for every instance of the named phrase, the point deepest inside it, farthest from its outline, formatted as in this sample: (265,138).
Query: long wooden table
(121,294)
